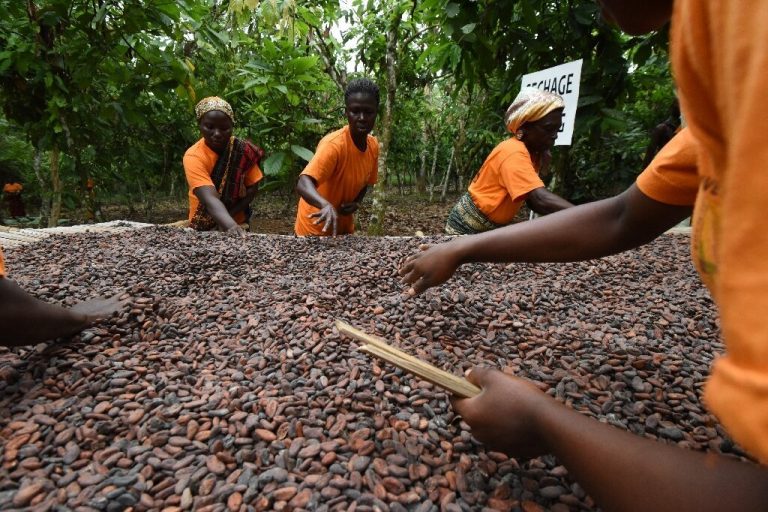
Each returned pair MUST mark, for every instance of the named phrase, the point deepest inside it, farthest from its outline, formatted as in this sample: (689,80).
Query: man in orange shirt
(345,164)
(720,57)
(222,170)
(25,320)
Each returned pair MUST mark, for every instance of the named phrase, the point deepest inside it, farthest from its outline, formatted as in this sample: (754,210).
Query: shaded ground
(276,214)
(405,215)
(226,386)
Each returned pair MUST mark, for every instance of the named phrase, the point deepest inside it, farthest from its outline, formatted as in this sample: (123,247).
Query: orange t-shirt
(720,62)
(199,161)
(504,181)
(672,176)
(340,171)
(2,263)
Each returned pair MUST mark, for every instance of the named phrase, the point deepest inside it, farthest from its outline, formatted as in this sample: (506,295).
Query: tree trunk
(53,220)
(421,185)
(45,201)
(447,175)
(378,207)
(432,173)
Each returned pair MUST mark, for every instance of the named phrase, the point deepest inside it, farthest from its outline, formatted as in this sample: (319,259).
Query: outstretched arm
(583,232)
(621,471)
(25,320)
(210,199)
(327,215)
(544,202)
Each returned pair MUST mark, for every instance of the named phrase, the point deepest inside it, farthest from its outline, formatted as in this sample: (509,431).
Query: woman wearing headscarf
(222,170)
(510,174)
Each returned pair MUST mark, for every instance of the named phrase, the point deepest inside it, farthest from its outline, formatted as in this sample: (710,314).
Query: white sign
(563,80)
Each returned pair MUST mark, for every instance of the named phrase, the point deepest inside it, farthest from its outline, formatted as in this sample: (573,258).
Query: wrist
(550,418)
(77,321)
(462,250)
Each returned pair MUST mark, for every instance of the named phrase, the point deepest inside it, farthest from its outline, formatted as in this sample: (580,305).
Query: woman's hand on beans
(236,231)
(434,265)
(100,308)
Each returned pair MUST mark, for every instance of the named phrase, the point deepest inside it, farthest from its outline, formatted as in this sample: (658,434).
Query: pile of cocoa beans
(224,385)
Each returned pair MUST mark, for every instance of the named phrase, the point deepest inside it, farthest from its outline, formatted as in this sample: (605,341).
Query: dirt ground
(276,214)
(406,215)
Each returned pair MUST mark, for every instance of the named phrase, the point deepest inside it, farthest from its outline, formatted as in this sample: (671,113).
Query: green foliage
(112,85)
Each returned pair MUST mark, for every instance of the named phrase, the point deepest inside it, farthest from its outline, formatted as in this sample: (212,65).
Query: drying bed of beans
(224,385)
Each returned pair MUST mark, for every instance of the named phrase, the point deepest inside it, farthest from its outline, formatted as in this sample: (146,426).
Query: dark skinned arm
(307,189)
(25,320)
(544,202)
(210,199)
(621,471)
(351,207)
(583,232)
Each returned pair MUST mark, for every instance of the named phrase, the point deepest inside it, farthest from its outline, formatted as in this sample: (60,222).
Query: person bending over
(222,171)
(509,176)
(345,164)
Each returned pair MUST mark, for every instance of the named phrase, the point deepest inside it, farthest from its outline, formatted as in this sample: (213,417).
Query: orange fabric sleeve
(720,60)
(253,176)
(324,163)
(672,177)
(518,176)
(197,171)
(2,263)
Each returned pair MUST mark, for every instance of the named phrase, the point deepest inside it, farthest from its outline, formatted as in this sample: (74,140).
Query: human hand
(236,231)
(328,216)
(100,308)
(434,265)
(504,415)
(348,208)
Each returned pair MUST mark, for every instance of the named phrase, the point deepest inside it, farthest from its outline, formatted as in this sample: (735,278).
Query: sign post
(563,80)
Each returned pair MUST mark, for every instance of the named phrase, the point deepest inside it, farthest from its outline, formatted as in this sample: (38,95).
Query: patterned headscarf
(213,103)
(531,105)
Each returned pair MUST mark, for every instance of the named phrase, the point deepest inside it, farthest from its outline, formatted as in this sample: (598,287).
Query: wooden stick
(381,349)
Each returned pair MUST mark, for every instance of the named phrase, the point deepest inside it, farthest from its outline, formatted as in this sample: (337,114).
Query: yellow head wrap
(531,105)
(213,103)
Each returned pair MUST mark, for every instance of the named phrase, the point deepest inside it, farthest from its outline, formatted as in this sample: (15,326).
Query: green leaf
(169,8)
(452,10)
(274,163)
(302,152)
(469,27)
(301,64)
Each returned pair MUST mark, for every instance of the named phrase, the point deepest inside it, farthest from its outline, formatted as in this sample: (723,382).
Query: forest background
(104,90)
